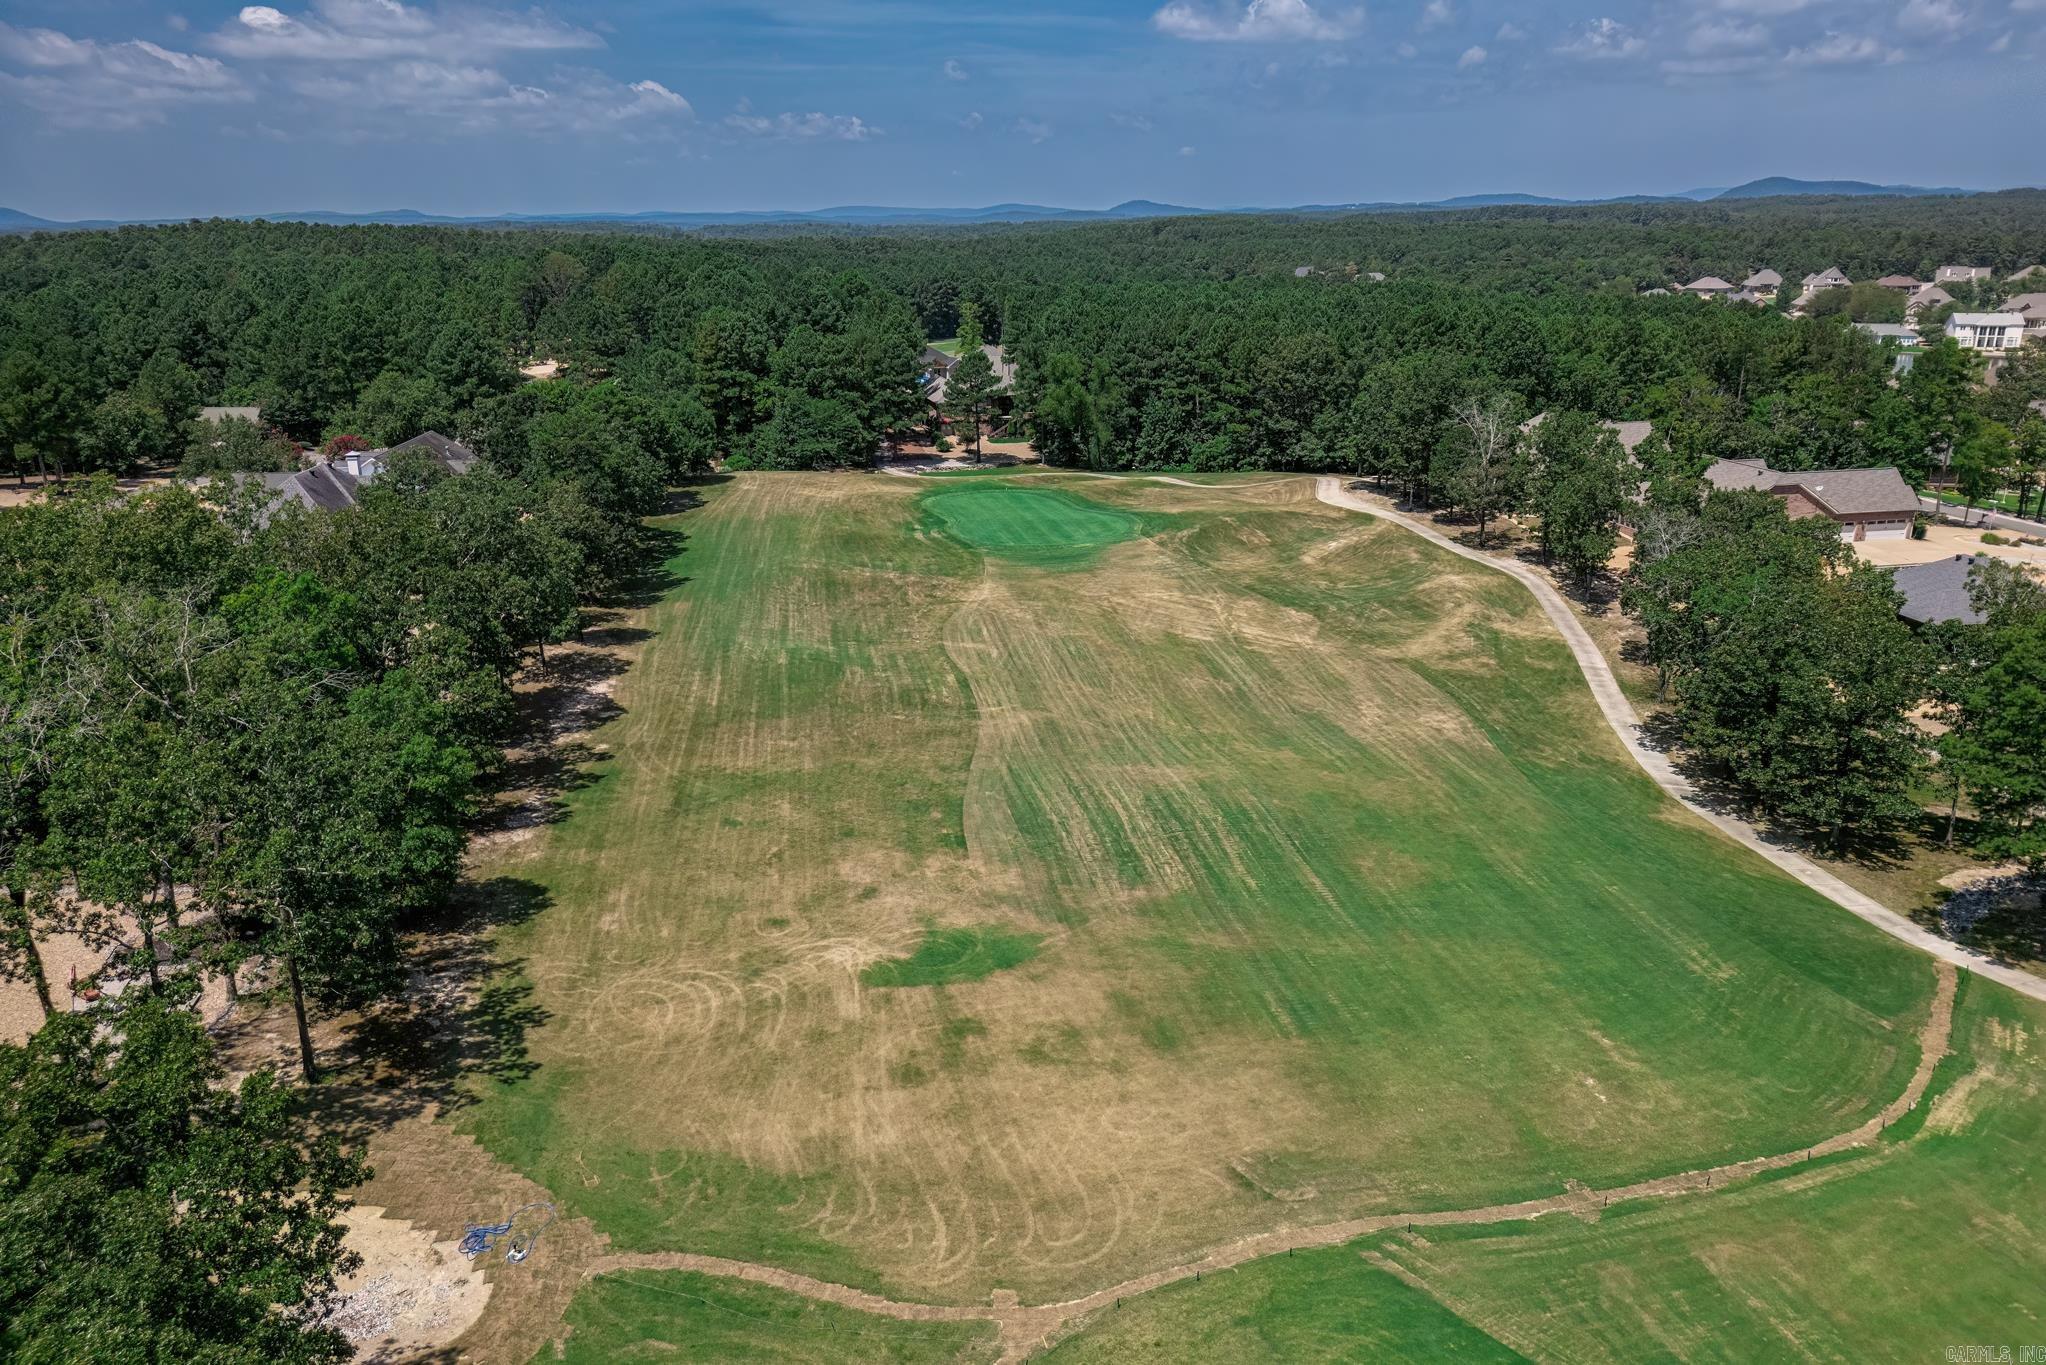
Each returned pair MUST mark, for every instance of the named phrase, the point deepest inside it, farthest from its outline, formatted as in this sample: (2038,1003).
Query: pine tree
(970,390)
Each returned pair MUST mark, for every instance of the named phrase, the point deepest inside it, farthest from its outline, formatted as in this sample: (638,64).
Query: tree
(1978,463)
(394,407)
(148,1212)
(1581,485)
(1939,394)
(1482,467)
(1069,424)
(127,430)
(1999,740)
(235,445)
(971,387)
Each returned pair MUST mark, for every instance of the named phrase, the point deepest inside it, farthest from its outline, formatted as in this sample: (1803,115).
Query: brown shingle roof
(1854,492)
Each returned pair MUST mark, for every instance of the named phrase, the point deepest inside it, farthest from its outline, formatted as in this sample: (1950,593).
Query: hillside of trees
(1169,342)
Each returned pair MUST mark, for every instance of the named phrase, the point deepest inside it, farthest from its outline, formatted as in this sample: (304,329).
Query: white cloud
(1604,40)
(1837,49)
(1932,18)
(1260,21)
(1136,123)
(954,71)
(1472,56)
(1034,129)
(1186,151)
(1716,37)
(1435,14)
(84,83)
(971,122)
(1510,32)
(386,30)
(804,127)
(1770,8)
(463,98)
(2002,43)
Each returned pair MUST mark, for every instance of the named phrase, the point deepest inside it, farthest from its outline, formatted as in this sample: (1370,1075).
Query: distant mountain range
(866,215)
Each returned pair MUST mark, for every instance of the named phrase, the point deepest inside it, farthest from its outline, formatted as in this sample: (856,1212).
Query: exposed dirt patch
(411,1293)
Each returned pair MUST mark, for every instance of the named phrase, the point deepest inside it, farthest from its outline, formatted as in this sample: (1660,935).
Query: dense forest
(1185,342)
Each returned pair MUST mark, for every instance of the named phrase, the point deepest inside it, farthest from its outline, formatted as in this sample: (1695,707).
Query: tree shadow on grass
(460,1023)
(1713,788)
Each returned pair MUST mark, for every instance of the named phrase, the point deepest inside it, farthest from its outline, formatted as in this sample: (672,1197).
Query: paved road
(1981,516)
(1619,714)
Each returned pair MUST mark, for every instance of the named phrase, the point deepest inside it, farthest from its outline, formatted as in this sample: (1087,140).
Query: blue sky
(110,108)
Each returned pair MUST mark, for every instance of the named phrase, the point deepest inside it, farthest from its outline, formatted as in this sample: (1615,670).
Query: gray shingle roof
(1762,279)
(1937,591)
(448,453)
(1751,474)
(222,414)
(1631,434)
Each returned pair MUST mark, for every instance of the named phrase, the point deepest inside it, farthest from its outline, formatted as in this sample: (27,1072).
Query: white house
(1987,331)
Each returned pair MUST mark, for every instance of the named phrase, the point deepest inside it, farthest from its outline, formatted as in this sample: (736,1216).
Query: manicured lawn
(676,1315)
(1927,1241)
(1343,900)
(1315,1305)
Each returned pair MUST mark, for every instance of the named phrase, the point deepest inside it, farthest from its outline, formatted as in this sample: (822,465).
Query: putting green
(1034,524)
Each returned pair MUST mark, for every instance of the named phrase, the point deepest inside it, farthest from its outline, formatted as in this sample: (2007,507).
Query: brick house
(1868,504)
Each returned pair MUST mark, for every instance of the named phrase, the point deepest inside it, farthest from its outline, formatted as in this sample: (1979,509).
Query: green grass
(678,1315)
(946,957)
(1326,1304)
(1896,1252)
(1350,901)
(1035,525)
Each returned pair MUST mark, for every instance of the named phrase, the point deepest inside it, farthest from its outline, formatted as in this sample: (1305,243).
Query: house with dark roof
(1938,591)
(450,454)
(1868,504)
(321,488)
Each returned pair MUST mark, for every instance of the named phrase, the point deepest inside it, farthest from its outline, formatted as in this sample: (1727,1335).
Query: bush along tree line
(246,743)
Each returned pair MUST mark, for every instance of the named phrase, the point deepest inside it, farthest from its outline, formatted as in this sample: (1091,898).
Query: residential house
(1631,434)
(1927,297)
(1375,276)
(1301,272)
(1938,591)
(1903,282)
(236,414)
(451,455)
(1654,293)
(939,376)
(1868,504)
(1763,282)
(1891,331)
(2032,308)
(320,488)
(1960,274)
(1709,286)
(2030,272)
(1987,331)
(1832,277)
